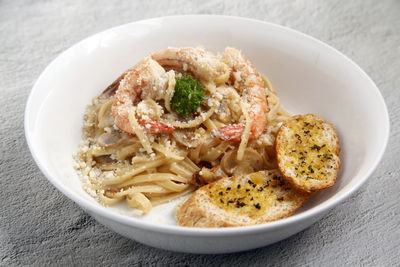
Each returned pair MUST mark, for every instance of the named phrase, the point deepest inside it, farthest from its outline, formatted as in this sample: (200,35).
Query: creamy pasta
(145,166)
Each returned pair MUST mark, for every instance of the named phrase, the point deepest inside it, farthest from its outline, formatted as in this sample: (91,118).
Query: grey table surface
(40,226)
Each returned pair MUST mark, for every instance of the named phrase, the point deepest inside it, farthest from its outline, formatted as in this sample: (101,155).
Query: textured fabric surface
(39,226)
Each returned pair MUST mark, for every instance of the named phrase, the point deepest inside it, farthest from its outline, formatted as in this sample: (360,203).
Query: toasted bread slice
(307,151)
(251,199)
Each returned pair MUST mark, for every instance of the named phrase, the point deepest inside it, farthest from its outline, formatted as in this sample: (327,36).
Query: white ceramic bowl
(309,76)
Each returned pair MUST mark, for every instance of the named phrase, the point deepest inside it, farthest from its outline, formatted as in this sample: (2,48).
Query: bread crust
(201,210)
(295,177)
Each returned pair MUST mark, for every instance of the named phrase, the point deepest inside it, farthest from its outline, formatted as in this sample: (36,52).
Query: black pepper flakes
(238,186)
(317,147)
(240,204)
(310,169)
(298,138)
(257,206)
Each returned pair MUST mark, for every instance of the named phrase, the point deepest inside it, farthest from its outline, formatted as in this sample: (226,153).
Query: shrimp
(201,64)
(248,82)
(144,76)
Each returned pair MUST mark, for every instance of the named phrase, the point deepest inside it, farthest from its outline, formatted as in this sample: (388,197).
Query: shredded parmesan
(144,140)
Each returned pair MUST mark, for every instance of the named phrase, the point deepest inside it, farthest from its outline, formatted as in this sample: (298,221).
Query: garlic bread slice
(250,199)
(307,151)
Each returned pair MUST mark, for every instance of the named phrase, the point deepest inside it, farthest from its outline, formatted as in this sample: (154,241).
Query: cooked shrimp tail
(156,127)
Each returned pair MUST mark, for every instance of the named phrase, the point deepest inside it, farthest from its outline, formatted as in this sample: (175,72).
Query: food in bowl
(307,150)
(182,118)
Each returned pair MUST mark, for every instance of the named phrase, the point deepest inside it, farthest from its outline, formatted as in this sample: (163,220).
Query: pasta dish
(178,119)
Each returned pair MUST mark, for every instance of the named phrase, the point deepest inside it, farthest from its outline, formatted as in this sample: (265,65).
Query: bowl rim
(192,231)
